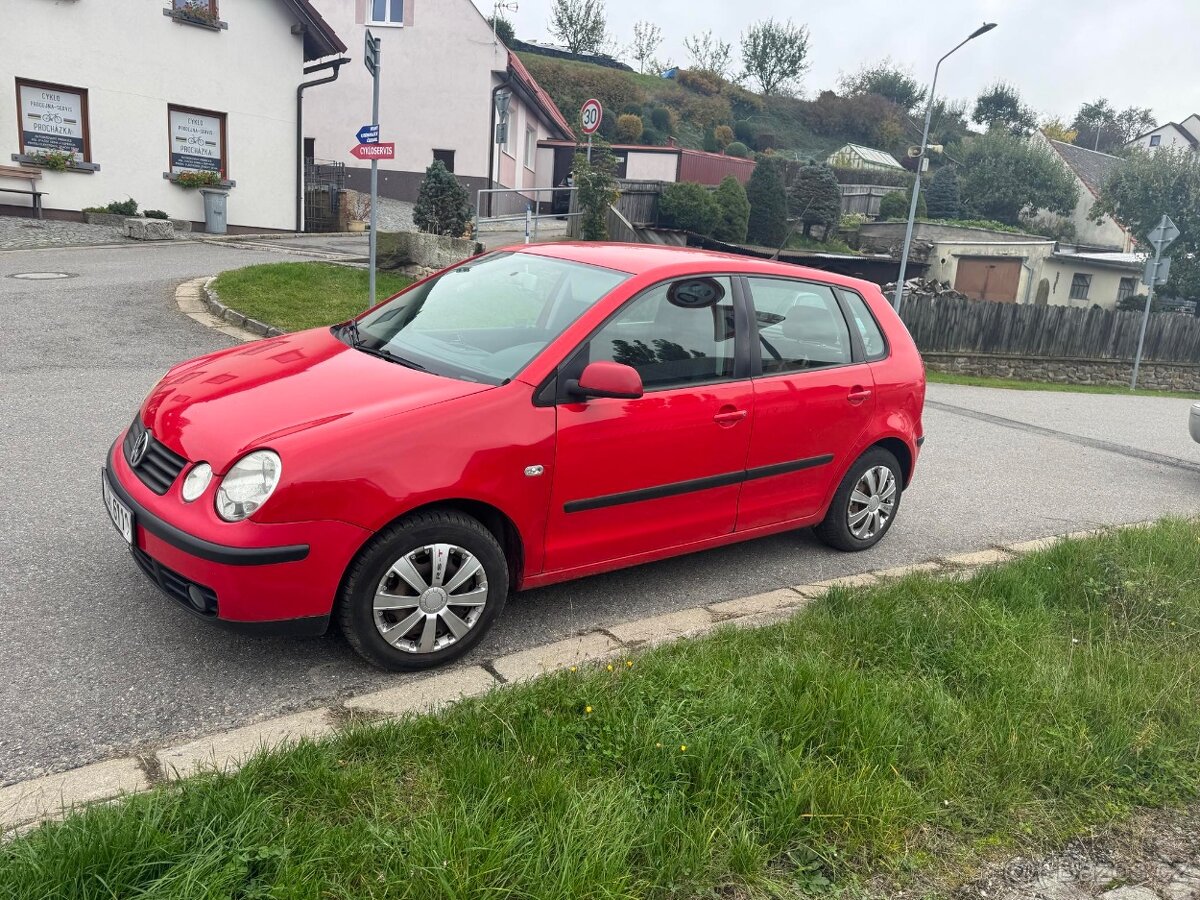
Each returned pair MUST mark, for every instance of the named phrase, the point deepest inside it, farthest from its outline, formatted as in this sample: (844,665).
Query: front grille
(159,467)
(196,597)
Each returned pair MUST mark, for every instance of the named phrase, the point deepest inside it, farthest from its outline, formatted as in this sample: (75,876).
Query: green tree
(767,196)
(814,198)
(895,205)
(885,79)
(647,37)
(1099,126)
(690,207)
(582,25)
(504,29)
(1000,106)
(443,205)
(1002,177)
(735,211)
(1145,188)
(596,189)
(942,197)
(738,149)
(708,53)
(775,54)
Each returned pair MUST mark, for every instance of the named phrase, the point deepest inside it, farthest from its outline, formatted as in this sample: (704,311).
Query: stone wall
(418,254)
(1151,375)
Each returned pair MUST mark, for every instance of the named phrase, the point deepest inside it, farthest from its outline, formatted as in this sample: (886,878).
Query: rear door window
(800,325)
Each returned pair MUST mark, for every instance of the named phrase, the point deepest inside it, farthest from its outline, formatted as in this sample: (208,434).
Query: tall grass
(873,732)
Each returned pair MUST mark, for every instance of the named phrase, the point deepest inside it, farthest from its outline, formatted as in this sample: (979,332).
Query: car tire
(401,560)
(858,519)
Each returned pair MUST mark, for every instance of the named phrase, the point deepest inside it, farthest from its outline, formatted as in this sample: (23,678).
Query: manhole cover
(41,276)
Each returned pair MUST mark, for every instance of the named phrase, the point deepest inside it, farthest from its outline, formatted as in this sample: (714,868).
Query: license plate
(121,515)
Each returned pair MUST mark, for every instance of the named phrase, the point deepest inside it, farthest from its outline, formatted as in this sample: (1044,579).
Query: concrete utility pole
(912,207)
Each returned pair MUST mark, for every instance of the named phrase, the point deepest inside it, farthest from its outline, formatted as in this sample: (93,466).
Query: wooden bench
(30,175)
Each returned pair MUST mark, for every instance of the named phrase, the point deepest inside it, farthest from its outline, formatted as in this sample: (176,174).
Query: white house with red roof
(441,70)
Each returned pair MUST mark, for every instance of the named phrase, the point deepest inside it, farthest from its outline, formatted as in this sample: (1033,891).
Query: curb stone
(26,804)
(198,301)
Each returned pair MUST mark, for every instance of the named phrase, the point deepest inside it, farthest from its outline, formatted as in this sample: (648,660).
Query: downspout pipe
(504,83)
(336,65)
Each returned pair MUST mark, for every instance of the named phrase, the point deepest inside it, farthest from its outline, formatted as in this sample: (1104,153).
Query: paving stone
(228,750)
(46,797)
(1033,546)
(901,571)
(759,603)
(820,587)
(1058,886)
(981,558)
(659,629)
(552,657)
(761,620)
(426,694)
(191,304)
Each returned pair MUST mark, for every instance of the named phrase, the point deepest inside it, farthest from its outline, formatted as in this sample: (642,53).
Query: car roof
(655,259)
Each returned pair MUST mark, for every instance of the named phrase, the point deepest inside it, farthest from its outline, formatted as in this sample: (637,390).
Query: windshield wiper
(389,356)
(352,328)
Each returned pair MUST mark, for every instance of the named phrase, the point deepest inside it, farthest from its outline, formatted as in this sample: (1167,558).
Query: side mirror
(607,379)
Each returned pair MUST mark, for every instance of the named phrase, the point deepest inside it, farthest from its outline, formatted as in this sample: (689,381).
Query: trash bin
(214,210)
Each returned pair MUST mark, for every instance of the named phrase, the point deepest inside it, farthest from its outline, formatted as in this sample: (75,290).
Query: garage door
(988,279)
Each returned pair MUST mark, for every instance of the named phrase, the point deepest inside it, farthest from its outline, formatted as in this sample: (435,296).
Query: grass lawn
(298,295)
(1016,385)
(902,729)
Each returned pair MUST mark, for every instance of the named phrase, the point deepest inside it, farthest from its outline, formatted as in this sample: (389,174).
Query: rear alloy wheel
(425,591)
(865,504)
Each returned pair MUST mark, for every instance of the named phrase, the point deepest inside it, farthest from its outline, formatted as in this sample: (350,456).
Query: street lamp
(912,207)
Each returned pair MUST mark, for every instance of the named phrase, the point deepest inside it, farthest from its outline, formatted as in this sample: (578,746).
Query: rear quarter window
(872,335)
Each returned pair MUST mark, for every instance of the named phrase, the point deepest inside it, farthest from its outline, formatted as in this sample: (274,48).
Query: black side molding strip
(218,553)
(696,484)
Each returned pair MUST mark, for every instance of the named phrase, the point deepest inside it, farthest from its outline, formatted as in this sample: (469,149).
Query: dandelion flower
(629,663)
(588,710)
(574,668)
(609,667)
(683,748)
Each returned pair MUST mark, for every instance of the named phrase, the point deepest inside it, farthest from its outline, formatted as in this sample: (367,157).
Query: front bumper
(276,579)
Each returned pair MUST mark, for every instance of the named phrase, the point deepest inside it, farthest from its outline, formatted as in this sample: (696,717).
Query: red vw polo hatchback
(529,416)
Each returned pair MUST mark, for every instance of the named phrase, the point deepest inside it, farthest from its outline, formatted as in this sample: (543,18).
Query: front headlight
(248,484)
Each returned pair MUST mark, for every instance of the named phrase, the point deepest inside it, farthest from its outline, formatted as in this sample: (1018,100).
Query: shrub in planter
(443,204)
(54,160)
(735,211)
(690,207)
(199,178)
(155,214)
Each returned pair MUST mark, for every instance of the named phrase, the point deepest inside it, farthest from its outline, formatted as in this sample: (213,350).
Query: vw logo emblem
(139,449)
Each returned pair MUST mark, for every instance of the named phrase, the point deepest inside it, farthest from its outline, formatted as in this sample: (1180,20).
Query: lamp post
(912,206)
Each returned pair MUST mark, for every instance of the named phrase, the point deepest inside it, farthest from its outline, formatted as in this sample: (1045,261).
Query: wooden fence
(638,204)
(972,326)
(863,199)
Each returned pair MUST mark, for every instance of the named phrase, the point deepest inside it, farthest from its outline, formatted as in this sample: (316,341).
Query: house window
(387,12)
(54,120)
(1126,288)
(1155,140)
(1079,286)
(197,141)
(530,146)
(445,157)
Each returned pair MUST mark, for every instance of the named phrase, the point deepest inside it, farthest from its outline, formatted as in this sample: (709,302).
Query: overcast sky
(1059,53)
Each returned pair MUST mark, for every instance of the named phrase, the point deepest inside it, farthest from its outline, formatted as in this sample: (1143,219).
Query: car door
(813,399)
(632,477)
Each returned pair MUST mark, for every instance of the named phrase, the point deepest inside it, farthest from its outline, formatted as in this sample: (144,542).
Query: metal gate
(324,190)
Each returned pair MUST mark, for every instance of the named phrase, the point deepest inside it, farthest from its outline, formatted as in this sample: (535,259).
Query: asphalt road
(95,662)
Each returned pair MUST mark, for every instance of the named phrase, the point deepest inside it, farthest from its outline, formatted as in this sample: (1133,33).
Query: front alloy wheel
(424,591)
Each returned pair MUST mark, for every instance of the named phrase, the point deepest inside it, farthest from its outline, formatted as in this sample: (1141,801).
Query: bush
(738,149)
(765,140)
(735,211)
(662,119)
(814,197)
(744,132)
(629,128)
(690,207)
(701,82)
(722,136)
(596,185)
(155,214)
(443,205)
(117,208)
(768,204)
(942,195)
(652,137)
(895,205)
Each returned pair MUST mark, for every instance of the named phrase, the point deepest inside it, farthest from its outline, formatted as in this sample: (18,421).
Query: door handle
(858,394)
(727,417)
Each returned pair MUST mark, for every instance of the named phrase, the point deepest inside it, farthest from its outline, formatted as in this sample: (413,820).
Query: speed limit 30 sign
(590,115)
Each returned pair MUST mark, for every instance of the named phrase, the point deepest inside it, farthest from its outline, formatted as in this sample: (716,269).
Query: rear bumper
(284,583)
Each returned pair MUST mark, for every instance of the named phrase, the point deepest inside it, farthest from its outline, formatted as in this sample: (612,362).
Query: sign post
(1161,237)
(591,114)
(371,54)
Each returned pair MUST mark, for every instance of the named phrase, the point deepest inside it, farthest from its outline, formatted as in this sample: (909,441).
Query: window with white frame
(386,12)
(530,146)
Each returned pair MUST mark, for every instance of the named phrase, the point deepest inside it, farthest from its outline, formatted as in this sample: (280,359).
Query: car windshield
(487,319)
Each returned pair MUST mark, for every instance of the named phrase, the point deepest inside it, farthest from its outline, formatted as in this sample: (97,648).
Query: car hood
(219,406)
